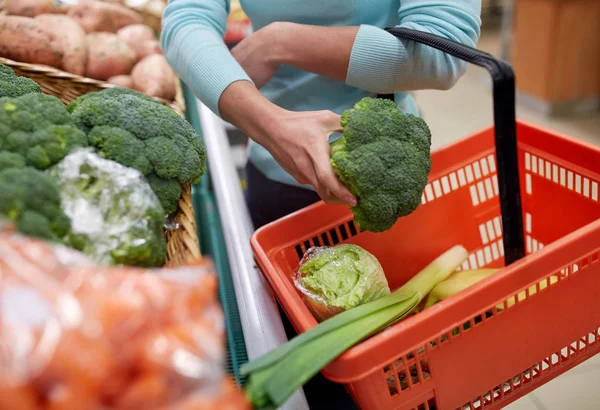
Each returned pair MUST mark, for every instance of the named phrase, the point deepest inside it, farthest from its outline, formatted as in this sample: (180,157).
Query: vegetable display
(82,336)
(99,175)
(335,279)
(116,218)
(384,159)
(274,377)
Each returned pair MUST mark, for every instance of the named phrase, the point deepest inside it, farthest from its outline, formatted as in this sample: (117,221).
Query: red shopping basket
(516,196)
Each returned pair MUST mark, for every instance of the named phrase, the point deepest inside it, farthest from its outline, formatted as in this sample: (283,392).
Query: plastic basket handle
(504,128)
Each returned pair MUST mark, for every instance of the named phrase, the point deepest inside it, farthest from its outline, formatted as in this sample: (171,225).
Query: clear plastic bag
(77,335)
(115,216)
(334,279)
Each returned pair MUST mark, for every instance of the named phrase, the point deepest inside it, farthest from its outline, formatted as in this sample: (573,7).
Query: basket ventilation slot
(535,165)
(331,238)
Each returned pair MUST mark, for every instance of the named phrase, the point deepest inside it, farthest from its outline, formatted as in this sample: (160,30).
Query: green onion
(276,376)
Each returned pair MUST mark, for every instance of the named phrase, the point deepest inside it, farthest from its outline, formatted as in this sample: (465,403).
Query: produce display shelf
(212,244)
(260,326)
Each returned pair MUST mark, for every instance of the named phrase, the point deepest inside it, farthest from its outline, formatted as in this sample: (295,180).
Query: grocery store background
(554,47)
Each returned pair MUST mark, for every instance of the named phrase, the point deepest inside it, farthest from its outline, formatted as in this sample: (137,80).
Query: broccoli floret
(172,149)
(11,160)
(121,146)
(383,157)
(117,218)
(31,199)
(38,128)
(109,92)
(12,85)
(168,192)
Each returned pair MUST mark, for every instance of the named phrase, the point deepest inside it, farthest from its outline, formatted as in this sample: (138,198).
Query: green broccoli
(383,157)
(171,148)
(31,199)
(109,92)
(38,128)
(168,192)
(11,160)
(117,218)
(12,85)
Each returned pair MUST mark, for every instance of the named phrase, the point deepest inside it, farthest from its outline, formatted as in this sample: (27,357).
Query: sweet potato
(135,35)
(97,16)
(28,41)
(28,8)
(73,39)
(108,56)
(148,48)
(154,77)
(121,80)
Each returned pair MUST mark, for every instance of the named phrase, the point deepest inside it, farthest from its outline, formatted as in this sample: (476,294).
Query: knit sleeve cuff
(376,60)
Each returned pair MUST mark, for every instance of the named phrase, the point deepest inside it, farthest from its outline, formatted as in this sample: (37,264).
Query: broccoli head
(142,134)
(11,160)
(38,128)
(168,192)
(117,218)
(31,199)
(383,157)
(12,85)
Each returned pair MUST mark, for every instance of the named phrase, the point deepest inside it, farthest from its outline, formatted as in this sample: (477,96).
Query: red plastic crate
(504,354)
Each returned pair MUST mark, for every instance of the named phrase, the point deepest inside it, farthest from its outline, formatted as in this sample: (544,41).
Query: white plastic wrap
(115,216)
(334,279)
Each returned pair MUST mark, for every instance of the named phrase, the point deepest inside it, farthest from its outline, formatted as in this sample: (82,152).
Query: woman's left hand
(257,54)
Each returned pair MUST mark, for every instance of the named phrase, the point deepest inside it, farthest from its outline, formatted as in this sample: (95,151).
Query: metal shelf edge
(262,326)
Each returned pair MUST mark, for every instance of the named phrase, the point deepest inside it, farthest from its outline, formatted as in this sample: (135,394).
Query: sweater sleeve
(192,41)
(381,63)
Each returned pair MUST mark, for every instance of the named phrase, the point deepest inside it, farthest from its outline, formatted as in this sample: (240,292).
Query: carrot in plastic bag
(146,392)
(19,398)
(226,396)
(69,398)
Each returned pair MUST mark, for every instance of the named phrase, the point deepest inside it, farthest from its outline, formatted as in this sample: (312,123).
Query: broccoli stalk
(383,158)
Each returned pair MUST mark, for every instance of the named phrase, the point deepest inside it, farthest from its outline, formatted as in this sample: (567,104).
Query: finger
(331,121)
(327,177)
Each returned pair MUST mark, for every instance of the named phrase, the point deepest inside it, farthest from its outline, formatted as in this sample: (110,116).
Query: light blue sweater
(192,41)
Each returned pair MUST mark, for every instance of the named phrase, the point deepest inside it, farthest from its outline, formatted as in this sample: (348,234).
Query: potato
(121,80)
(28,8)
(73,38)
(97,16)
(108,56)
(26,40)
(154,77)
(148,48)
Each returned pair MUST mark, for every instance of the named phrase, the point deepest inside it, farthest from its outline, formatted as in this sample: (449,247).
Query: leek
(276,376)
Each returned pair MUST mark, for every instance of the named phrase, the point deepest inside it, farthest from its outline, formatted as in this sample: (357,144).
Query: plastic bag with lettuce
(335,279)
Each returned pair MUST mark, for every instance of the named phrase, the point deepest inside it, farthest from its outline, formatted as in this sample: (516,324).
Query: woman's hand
(257,54)
(299,141)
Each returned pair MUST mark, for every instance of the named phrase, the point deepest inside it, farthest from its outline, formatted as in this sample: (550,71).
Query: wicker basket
(182,243)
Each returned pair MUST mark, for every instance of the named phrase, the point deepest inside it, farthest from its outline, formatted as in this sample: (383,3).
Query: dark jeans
(268,201)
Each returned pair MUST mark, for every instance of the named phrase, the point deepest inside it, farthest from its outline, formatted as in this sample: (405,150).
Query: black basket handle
(504,128)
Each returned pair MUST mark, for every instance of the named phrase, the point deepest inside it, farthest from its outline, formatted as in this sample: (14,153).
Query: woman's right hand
(299,141)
